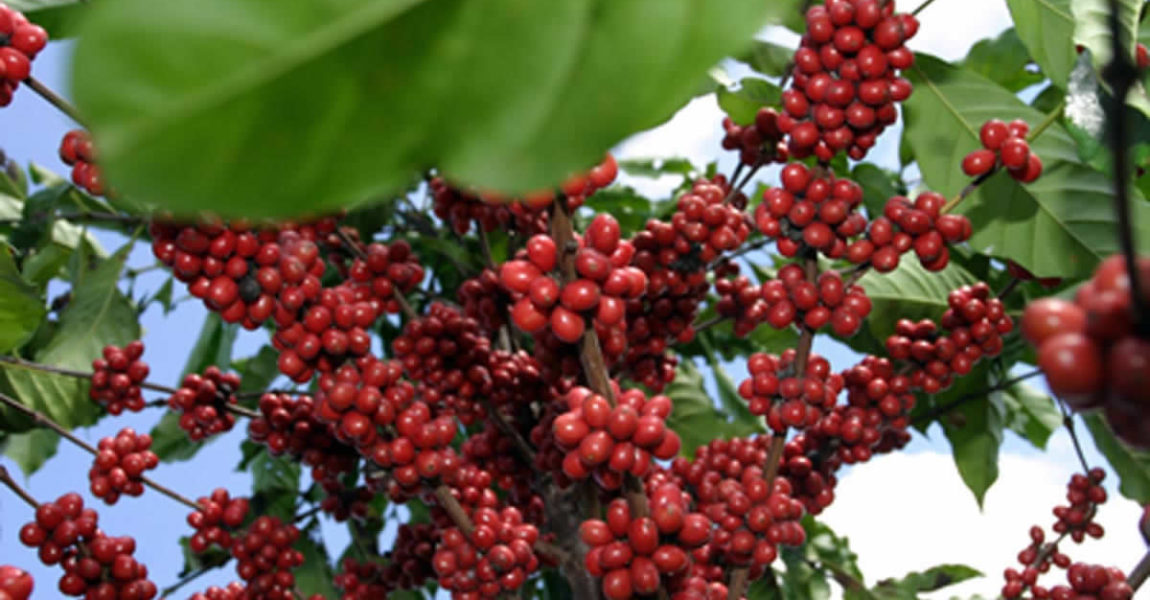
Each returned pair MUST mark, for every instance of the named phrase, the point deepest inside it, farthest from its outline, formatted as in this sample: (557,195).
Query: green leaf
(257,372)
(275,485)
(909,292)
(31,449)
(658,167)
(59,17)
(1002,60)
(974,430)
(801,580)
(314,576)
(729,398)
(1132,466)
(164,295)
(934,578)
(170,443)
(744,102)
(21,308)
(97,315)
(694,416)
(1061,225)
(1030,413)
(213,346)
(1046,27)
(878,185)
(505,94)
(214,556)
(627,206)
(768,58)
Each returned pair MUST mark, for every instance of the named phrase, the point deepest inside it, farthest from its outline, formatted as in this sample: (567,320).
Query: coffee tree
(470,312)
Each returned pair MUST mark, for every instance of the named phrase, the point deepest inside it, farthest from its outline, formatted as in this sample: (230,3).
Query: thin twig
(171,589)
(921,7)
(6,479)
(35,366)
(54,99)
(966,191)
(43,420)
(1068,422)
(1009,288)
(941,410)
(1140,572)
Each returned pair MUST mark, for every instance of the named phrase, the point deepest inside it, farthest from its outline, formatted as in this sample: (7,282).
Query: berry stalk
(54,99)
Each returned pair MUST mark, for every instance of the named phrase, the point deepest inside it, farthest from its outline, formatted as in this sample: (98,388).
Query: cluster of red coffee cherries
(15,583)
(903,226)
(76,151)
(788,398)
(460,208)
(95,565)
(218,517)
(116,378)
(791,298)
(495,557)
(1085,494)
(1089,349)
(604,280)
(813,209)
(265,558)
(975,323)
(120,463)
(758,143)
(611,441)
(1004,145)
(20,42)
(845,79)
(203,400)
(408,566)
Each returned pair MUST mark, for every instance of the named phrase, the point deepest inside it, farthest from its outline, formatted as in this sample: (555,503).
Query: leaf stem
(969,189)
(1140,572)
(939,411)
(921,7)
(55,99)
(1050,119)
(1068,422)
(43,420)
(6,479)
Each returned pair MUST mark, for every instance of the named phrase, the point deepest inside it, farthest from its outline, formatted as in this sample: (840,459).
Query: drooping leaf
(909,292)
(21,308)
(743,103)
(1030,413)
(974,428)
(314,576)
(1046,27)
(1092,32)
(1060,225)
(1003,60)
(97,315)
(1132,466)
(506,94)
(932,579)
(768,58)
(30,449)
(170,443)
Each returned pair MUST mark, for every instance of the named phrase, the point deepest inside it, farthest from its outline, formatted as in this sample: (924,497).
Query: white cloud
(910,511)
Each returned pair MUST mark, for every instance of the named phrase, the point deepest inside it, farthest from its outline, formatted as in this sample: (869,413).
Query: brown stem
(521,445)
(709,323)
(459,516)
(42,420)
(484,245)
(968,190)
(6,479)
(1068,422)
(1009,287)
(34,366)
(54,99)
(1140,572)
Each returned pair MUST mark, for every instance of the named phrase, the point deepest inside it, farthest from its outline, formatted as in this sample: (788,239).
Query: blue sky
(890,508)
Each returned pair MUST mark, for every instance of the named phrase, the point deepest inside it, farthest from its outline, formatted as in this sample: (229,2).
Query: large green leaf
(310,105)
(1030,413)
(742,103)
(1061,225)
(97,315)
(878,185)
(1046,27)
(1132,466)
(909,292)
(21,308)
(974,430)
(768,58)
(1003,60)
(30,449)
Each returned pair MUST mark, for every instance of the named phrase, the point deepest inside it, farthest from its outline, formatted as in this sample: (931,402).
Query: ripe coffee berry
(116,378)
(20,42)
(219,516)
(15,582)
(265,558)
(1004,145)
(758,143)
(903,227)
(496,557)
(812,209)
(812,305)
(120,463)
(1085,493)
(77,151)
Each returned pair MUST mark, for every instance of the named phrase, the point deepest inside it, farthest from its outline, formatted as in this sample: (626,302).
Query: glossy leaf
(21,308)
(1046,27)
(30,449)
(909,292)
(932,579)
(878,185)
(1132,466)
(1060,225)
(1003,60)
(1030,413)
(97,315)
(502,94)
(974,430)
